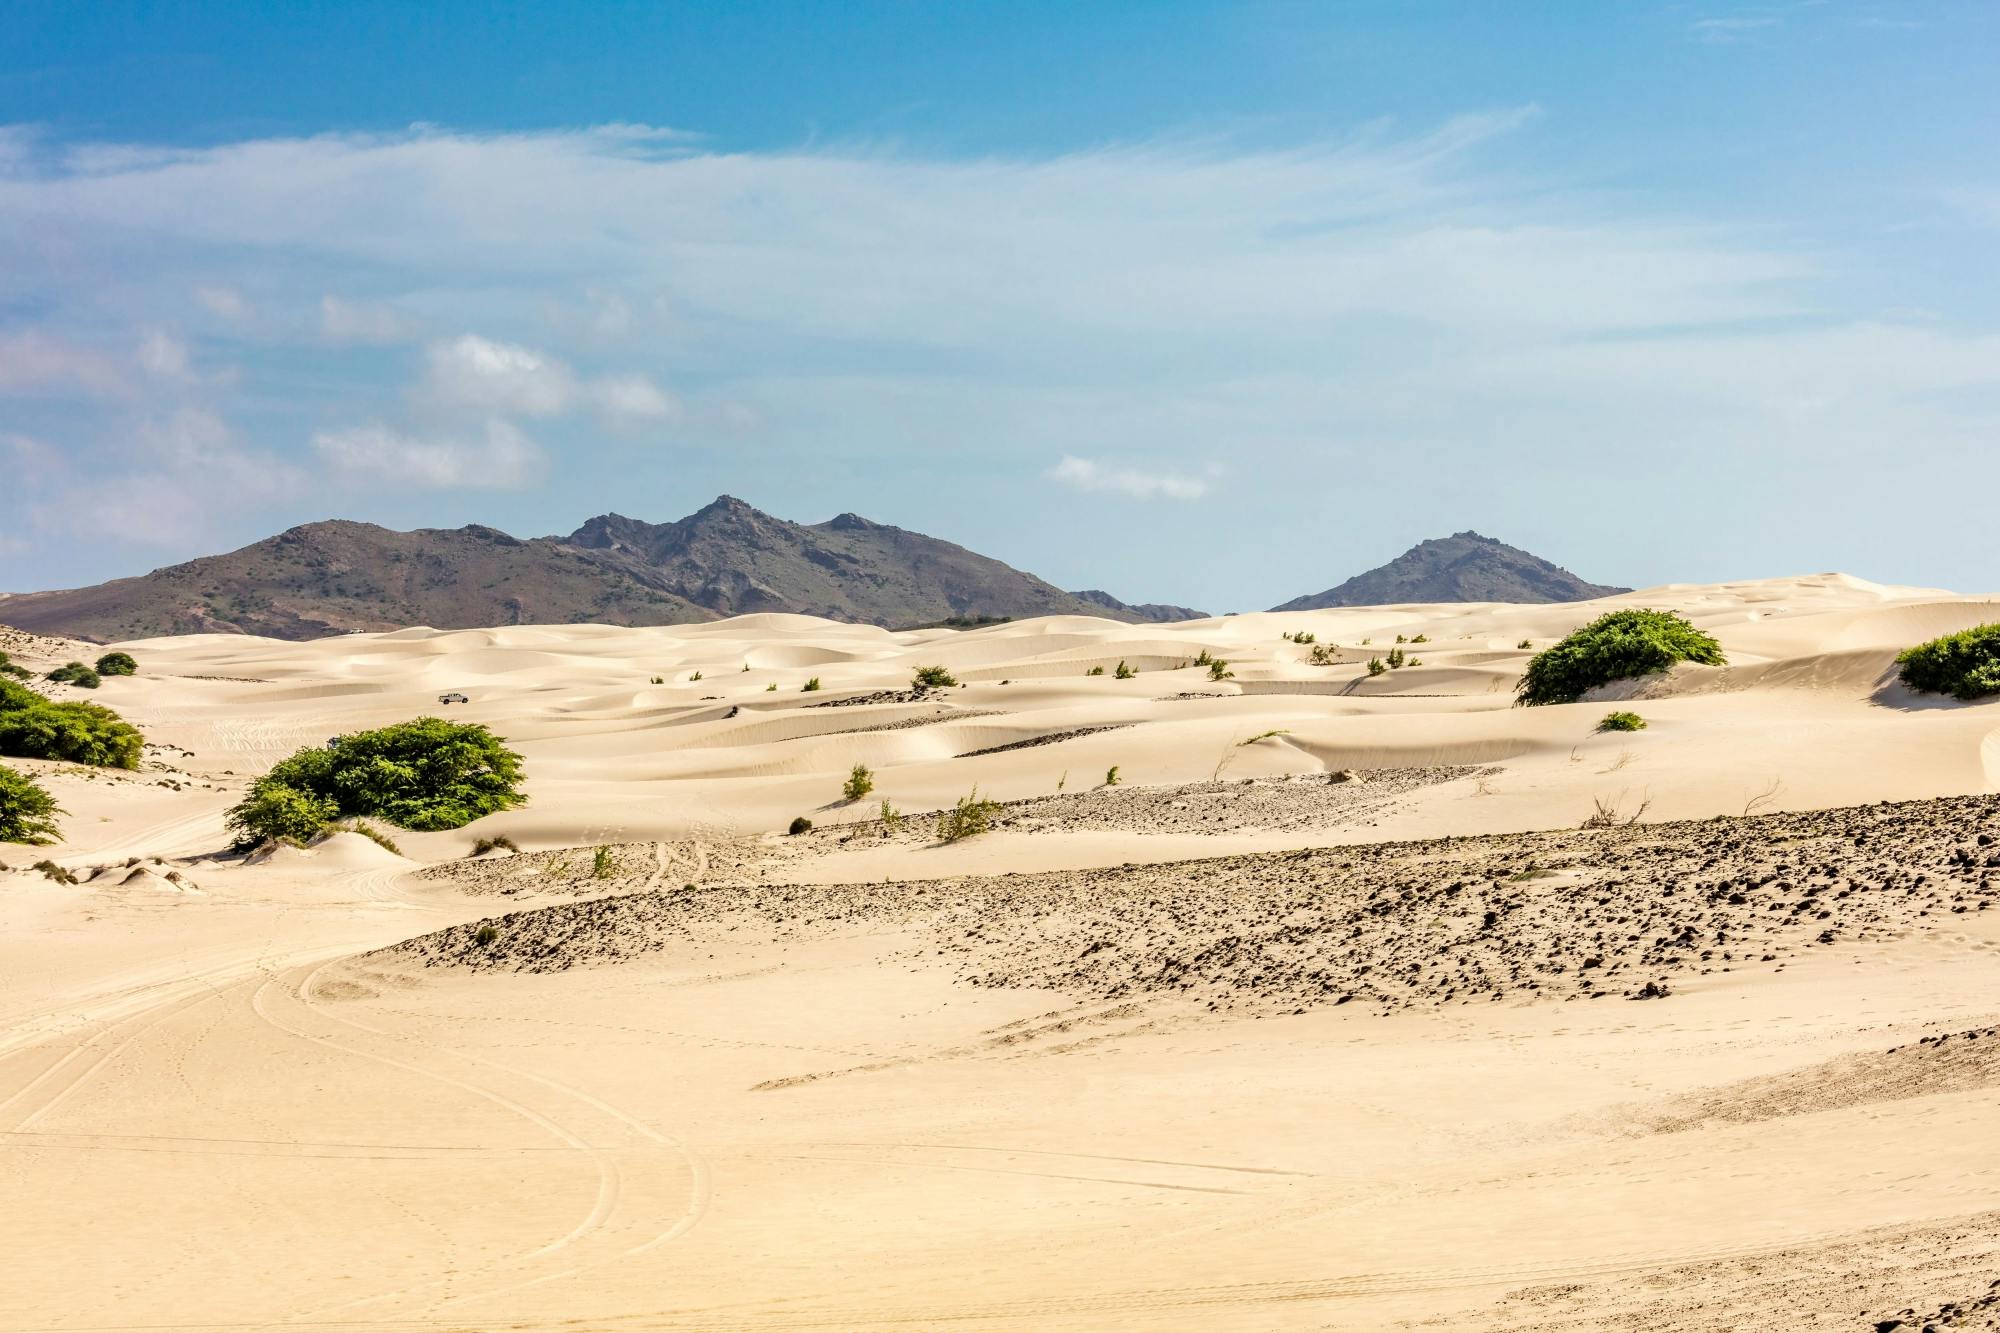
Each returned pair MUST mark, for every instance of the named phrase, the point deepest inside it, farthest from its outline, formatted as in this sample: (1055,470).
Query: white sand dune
(219,1109)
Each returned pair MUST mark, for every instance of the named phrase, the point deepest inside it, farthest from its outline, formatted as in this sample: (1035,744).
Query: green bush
(892,819)
(117,664)
(973,815)
(17,672)
(35,727)
(1095,671)
(1622,721)
(810,686)
(1376,666)
(485,936)
(27,813)
(1204,659)
(603,863)
(1218,669)
(1111,776)
(74,673)
(426,775)
(1397,657)
(1124,672)
(932,678)
(800,825)
(860,781)
(1965,665)
(1617,646)
(273,811)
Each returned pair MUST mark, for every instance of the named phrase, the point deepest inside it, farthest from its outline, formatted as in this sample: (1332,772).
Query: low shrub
(427,774)
(810,686)
(1219,670)
(485,845)
(1325,654)
(60,874)
(892,819)
(1622,721)
(1095,671)
(27,811)
(74,673)
(484,936)
(15,670)
(1204,659)
(1124,672)
(695,677)
(1617,646)
(1421,638)
(860,781)
(973,815)
(657,680)
(1396,657)
(1376,666)
(1525,643)
(1111,776)
(932,678)
(35,727)
(800,825)
(772,688)
(117,664)
(603,863)
(1965,665)
(373,834)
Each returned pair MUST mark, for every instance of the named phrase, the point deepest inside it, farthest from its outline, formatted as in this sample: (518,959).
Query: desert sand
(1226,1045)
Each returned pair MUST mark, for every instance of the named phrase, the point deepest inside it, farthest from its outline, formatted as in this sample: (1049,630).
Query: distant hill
(1154,611)
(725,559)
(1464,567)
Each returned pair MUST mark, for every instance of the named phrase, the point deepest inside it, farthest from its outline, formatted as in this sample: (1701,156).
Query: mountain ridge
(727,558)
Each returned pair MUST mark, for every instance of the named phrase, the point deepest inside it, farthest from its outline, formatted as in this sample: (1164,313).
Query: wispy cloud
(499,457)
(1728,31)
(1085,474)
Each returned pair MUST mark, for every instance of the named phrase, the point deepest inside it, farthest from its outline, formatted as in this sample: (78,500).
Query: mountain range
(725,559)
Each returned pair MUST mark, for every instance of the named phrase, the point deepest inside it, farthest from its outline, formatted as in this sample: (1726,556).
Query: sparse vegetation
(74,673)
(1755,801)
(1111,776)
(603,863)
(14,669)
(658,680)
(695,677)
(892,819)
(1325,654)
(971,816)
(1396,658)
(1401,639)
(799,825)
(1266,735)
(1622,721)
(60,874)
(485,845)
(1376,666)
(1124,672)
(1421,638)
(772,688)
(1525,643)
(810,686)
(932,678)
(860,781)
(1305,636)
(1610,814)
(1965,665)
(1204,659)
(117,664)
(427,774)
(35,727)
(27,811)
(1095,671)
(485,935)
(373,834)
(1617,646)
(1219,670)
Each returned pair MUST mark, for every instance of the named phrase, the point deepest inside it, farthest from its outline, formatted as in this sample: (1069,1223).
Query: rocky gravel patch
(1558,916)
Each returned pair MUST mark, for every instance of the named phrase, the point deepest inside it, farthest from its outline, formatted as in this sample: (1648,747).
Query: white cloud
(500,458)
(625,402)
(34,362)
(1727,31)
(343,321)
(225,303)
(487,376)
(1088,475)
(163,356)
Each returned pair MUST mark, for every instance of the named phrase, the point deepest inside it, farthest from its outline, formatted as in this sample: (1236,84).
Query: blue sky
(1214,304)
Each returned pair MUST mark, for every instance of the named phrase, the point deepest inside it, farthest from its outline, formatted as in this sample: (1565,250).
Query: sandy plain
(1227,1045)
